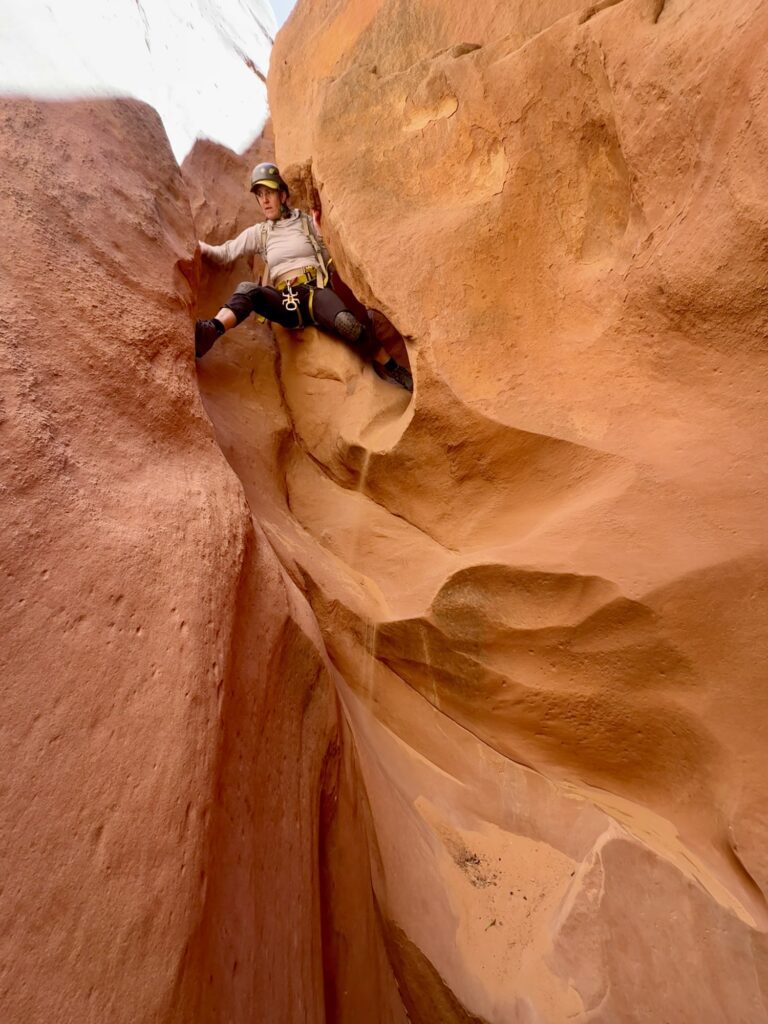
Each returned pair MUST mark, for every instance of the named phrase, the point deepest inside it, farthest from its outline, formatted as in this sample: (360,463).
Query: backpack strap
(306,223)
(265,271)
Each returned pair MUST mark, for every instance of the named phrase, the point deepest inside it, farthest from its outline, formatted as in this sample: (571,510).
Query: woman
(295,289)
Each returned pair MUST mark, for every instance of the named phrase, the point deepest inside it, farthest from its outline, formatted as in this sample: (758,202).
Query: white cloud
(185,57)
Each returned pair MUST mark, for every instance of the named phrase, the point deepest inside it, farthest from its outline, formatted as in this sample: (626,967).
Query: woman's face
(270,201)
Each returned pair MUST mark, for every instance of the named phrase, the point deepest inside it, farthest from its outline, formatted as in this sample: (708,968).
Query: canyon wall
(446,707)
(543,580)
(170,729)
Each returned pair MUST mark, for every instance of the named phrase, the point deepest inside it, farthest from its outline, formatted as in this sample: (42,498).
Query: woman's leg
(247,298)
(330,313)
(226,318)
(264,301)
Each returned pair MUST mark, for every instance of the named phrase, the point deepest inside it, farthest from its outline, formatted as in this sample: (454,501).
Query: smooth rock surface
(243,392)
(558,546)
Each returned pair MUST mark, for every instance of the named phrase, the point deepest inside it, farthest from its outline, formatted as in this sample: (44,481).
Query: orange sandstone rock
(558,548)
(242,391)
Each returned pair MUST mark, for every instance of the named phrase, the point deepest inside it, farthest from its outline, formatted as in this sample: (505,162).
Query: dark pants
(319,306)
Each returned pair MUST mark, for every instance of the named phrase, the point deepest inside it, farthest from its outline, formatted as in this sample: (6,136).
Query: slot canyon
(328,703)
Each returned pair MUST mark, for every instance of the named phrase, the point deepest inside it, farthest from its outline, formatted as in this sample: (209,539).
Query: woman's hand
(316,217)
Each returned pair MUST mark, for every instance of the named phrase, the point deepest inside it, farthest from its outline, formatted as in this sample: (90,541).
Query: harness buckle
(290,298)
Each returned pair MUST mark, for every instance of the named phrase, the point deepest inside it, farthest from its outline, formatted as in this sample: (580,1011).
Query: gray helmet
(267,174)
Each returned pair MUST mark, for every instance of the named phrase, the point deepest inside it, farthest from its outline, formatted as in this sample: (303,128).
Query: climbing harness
(308,276)
(322,277)
(321,274)
(313,277)
(290,297)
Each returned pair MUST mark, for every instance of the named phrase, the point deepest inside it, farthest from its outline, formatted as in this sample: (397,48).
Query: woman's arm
(247,243)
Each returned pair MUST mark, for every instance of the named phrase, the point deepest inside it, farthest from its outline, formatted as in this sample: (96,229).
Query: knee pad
(241,302)
(347,326)
(246,288)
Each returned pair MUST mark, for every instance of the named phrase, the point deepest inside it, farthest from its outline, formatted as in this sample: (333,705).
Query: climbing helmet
(267,174)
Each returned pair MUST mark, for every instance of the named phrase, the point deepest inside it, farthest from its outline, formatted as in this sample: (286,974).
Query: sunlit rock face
(543,579)
(200,63)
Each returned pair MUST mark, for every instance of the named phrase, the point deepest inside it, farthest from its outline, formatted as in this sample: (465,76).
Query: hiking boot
(395,374)
(206,333)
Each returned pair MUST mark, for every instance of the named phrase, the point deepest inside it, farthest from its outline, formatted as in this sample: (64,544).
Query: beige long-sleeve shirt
(286,248)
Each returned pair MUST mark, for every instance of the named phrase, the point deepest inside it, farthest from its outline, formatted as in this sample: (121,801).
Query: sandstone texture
(169,723)
(444,708)
(543,579)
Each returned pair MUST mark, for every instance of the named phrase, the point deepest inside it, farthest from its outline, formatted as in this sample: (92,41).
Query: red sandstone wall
(241,389)
(168,720)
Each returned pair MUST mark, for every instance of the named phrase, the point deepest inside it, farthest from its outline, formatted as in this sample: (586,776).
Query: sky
(282,9)
(198,62)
